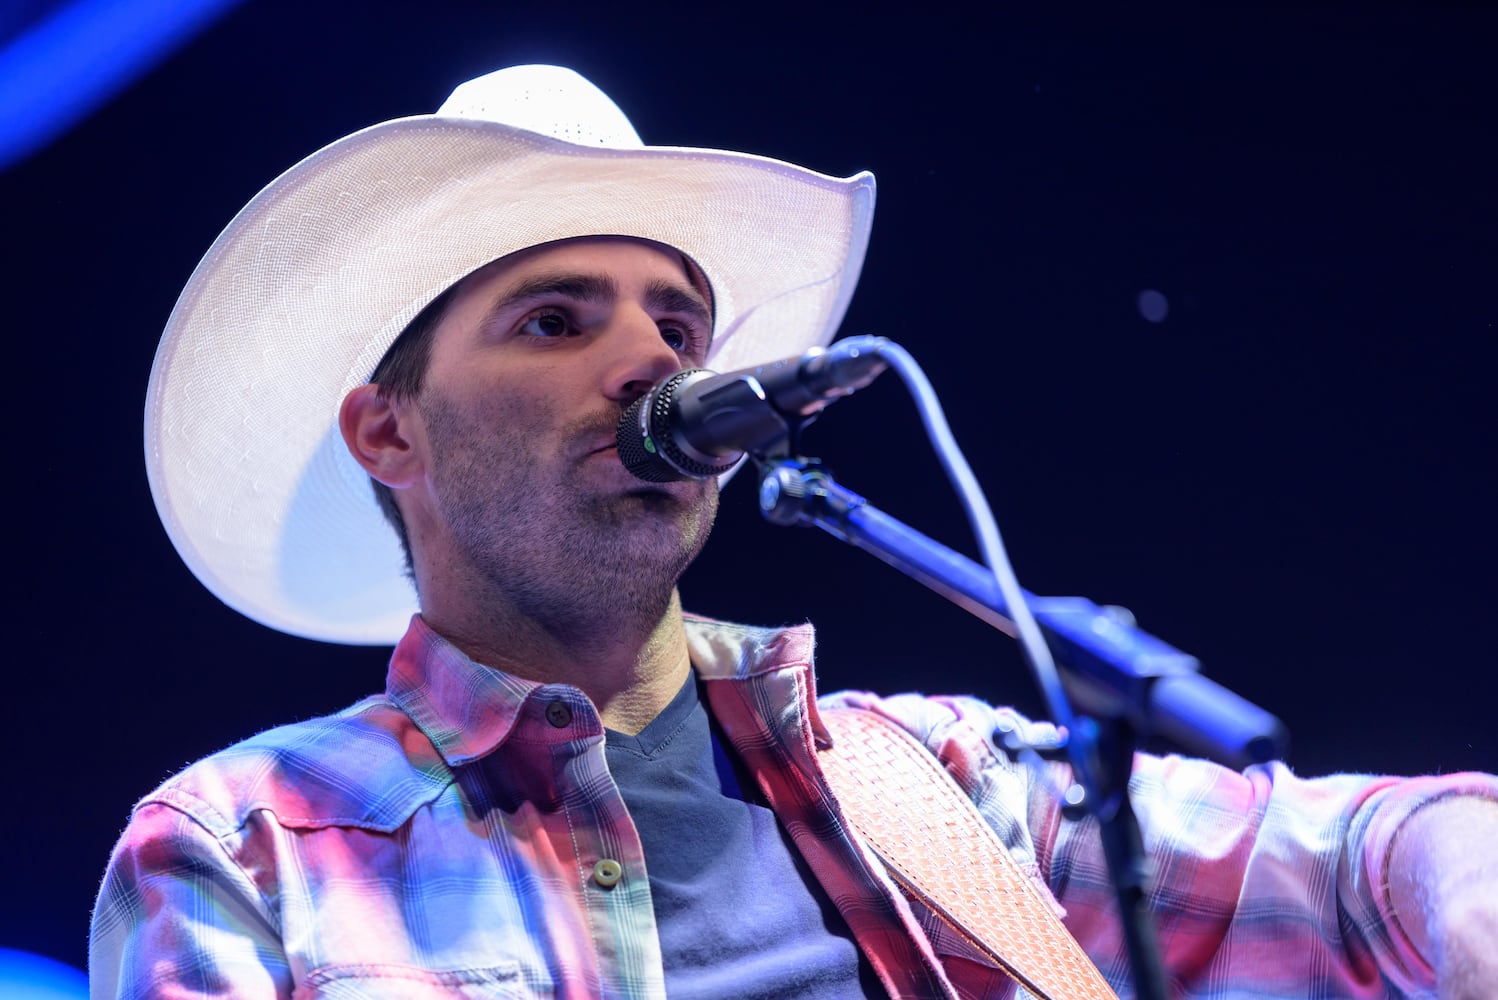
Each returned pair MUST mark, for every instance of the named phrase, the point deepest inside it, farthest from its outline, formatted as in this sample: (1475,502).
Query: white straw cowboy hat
(302,294)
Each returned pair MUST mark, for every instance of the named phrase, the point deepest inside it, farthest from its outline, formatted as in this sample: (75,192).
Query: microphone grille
(637,450)
(648,447)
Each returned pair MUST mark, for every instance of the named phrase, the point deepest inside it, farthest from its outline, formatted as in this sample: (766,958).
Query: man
(570,787)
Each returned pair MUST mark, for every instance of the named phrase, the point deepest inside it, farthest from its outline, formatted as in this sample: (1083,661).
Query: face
(534,361)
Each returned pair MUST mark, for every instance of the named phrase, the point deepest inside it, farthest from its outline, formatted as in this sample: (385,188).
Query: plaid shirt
(444,839)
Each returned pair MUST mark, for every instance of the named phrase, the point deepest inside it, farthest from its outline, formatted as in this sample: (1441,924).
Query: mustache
(592,428)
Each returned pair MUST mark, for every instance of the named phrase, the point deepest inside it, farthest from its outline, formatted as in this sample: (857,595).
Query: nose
(638,356)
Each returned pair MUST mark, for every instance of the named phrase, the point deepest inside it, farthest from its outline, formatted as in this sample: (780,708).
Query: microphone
(698,424)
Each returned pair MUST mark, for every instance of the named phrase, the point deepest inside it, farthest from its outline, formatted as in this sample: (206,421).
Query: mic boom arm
(1109,667)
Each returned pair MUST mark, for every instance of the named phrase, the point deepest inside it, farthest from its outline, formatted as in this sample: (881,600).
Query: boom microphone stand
(1128,684)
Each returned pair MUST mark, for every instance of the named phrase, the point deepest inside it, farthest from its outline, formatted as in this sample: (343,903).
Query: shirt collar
(727,651)
(467,709)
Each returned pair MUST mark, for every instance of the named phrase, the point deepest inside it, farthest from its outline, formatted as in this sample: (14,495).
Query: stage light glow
(24,976)
(85,52)
(1153,305)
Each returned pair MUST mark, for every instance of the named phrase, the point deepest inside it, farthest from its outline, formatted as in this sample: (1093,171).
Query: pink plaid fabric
(442,840)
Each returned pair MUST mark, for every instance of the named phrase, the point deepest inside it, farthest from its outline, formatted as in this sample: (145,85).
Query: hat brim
(302,294)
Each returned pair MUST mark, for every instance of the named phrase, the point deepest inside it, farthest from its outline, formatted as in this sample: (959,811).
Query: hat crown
(551,100)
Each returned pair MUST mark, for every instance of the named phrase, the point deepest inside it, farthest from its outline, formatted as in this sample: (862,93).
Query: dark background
(1291,476)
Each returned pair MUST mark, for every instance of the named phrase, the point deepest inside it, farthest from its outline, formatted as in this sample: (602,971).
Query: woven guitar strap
(939,850)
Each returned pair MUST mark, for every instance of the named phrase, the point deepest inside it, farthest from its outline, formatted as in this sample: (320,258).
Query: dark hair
(400,375)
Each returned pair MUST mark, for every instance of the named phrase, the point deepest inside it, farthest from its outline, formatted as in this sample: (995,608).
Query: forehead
(589,254)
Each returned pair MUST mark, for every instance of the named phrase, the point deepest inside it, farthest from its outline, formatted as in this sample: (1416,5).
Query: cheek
(542,412)
(496,400)
(524,424)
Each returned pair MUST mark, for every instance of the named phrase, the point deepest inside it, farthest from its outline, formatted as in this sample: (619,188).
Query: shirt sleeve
(1265,884)
(177,917)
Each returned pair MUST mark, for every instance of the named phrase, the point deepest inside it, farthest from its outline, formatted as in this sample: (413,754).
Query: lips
(598,434)
(609,445)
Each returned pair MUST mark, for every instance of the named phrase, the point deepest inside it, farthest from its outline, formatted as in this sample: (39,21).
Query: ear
(377,432)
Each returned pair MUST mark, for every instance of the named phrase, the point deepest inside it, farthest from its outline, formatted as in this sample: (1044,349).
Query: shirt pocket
(408,982)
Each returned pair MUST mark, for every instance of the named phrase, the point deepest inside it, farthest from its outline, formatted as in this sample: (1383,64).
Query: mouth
(606,450)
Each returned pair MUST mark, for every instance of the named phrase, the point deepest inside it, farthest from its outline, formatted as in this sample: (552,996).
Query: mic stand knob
(788,490)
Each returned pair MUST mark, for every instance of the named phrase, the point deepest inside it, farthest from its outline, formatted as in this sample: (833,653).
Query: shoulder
(959,731)
(368,766)
(950,726)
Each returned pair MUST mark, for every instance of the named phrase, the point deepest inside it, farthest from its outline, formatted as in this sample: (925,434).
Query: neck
(628,666)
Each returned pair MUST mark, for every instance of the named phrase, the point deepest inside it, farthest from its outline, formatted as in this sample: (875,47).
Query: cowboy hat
(299,298)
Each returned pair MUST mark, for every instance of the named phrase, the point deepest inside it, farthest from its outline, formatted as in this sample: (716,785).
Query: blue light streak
(85,52)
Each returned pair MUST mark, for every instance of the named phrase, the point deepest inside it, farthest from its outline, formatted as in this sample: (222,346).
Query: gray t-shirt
(739,913)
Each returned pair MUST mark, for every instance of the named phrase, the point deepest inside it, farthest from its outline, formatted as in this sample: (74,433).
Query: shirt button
(558,714)
(607,872)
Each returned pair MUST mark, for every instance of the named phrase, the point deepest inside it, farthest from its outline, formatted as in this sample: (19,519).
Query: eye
(546,325)
(684,339)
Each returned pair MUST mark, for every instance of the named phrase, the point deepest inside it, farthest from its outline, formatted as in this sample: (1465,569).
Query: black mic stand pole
(1129,683)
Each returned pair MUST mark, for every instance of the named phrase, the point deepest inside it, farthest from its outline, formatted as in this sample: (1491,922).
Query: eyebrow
(594,288)
(664,296)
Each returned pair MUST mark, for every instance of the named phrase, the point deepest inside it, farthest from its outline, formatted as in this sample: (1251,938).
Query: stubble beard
(579,561)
